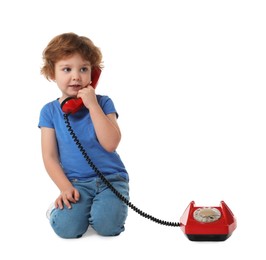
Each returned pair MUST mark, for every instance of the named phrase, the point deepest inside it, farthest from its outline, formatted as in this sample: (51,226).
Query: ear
(52,78)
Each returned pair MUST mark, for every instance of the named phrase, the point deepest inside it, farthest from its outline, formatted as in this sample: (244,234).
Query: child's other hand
(67,197)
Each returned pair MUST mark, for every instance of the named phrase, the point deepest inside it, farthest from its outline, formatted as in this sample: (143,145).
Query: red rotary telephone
(208,223)
(71,105)
(197,223)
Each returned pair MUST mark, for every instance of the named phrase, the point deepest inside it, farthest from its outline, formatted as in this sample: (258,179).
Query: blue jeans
(98,207)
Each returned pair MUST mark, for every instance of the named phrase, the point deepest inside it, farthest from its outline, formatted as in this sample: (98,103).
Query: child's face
(72,74)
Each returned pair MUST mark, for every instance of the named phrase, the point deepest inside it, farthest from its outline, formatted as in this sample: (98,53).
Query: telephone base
(215,237)
(208,223)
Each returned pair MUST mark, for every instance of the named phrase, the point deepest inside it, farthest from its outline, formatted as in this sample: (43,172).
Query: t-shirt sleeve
(107,105)
(45,119)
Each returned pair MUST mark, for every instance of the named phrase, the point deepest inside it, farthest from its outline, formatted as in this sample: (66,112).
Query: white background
(188,81)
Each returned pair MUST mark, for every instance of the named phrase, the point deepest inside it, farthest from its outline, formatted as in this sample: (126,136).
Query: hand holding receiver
(71,105)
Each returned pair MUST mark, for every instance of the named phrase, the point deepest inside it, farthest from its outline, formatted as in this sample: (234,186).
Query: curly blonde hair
(65,45)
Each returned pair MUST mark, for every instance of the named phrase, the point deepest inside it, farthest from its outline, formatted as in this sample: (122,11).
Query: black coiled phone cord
(108,184)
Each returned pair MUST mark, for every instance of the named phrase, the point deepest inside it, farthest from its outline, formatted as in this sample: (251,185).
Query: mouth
(75,87)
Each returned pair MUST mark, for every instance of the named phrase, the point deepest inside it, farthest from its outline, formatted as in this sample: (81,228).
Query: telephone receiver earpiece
(71,104)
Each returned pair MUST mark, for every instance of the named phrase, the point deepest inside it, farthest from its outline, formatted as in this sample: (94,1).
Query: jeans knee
(67,229)
(108,229)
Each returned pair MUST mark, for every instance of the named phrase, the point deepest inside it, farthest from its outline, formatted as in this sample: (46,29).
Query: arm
(54,169)
(106,127)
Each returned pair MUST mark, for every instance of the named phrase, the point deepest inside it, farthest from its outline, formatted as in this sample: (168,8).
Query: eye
(84,69)
(66,69)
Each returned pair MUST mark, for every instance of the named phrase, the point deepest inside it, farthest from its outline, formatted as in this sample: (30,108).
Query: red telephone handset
(71,105)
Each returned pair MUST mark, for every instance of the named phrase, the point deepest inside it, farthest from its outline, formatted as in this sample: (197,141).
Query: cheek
(86,76)
(61,78)
(86,79)
(61,82)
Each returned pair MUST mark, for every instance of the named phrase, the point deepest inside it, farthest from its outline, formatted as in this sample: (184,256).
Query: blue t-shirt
(72,161)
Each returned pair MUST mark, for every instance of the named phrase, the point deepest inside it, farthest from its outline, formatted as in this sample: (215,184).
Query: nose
(75,76)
